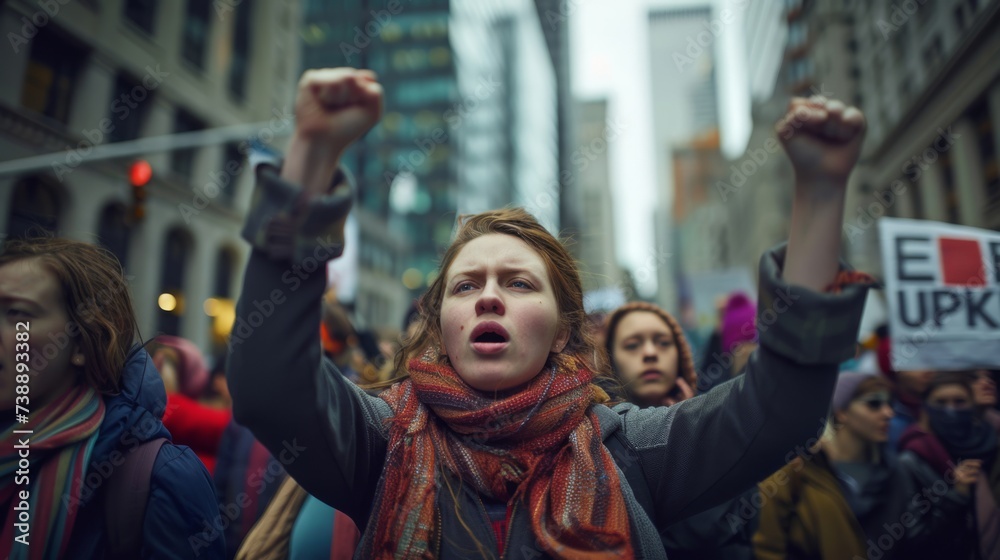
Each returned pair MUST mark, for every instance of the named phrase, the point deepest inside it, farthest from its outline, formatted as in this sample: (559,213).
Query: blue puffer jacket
(182,509)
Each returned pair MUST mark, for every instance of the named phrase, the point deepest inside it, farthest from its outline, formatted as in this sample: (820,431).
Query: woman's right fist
(336,106)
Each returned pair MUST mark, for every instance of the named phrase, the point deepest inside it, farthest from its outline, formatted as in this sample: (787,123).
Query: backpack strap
(125,498)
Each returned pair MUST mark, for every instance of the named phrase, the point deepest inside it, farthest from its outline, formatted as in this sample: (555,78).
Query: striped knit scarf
(59,447)
(541,445)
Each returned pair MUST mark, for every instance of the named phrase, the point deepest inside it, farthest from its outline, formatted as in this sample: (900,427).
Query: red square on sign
(961,262)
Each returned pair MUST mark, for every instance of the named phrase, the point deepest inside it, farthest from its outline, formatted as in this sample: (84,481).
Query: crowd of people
(500,421)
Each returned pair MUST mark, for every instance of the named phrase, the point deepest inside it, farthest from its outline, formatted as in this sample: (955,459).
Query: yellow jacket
(804,515)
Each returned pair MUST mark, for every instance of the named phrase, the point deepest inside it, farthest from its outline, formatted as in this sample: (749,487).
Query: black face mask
(961,434)
(950,424)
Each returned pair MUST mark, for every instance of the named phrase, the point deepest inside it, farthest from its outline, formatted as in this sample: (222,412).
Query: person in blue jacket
(77,398)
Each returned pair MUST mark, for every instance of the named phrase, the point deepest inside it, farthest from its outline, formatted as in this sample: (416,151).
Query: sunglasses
(876,402)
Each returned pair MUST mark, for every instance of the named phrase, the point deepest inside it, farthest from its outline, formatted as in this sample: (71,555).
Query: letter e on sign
(961,262)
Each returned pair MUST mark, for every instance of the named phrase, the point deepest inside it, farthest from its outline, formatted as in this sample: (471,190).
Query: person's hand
(966,474)
(823,141)
(333,108)
(682,391)
(822,138)
(336,106)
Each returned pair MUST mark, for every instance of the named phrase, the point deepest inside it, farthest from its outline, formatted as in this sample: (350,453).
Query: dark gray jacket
(676,461)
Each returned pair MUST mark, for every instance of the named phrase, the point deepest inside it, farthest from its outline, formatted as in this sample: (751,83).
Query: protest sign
(942,288)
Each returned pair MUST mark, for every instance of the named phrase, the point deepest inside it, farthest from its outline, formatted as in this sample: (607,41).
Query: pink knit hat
(738,321)
(192,373)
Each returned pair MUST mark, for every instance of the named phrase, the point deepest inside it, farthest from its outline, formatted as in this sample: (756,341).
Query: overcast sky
(609,44)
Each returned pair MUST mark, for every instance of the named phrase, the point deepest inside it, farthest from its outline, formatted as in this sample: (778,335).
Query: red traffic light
(140,173)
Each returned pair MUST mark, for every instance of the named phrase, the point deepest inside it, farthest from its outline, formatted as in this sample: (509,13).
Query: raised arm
(327,433)
(710,448)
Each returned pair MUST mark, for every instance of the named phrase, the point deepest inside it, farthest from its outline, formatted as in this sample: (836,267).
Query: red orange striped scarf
(64,432)
(541,445)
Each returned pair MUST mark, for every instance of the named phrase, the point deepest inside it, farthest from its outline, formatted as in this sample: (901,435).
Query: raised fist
(336,106)
(822,138)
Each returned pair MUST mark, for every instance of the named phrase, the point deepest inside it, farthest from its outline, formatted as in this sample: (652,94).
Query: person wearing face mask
(494,440)
(837,502)
(953,452)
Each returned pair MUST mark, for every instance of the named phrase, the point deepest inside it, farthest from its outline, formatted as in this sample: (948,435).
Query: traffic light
(138,176)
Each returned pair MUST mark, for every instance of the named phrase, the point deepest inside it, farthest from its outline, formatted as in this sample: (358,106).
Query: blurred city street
(641,131)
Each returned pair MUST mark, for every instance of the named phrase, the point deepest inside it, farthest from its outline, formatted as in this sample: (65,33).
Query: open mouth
(489,338)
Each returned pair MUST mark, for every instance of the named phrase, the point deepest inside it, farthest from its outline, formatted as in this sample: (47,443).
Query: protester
(92,412)
(984,387)
(651,357)
(494,440)
(838,500)
(739,330)
(909,389)
(185,378)
(953,452)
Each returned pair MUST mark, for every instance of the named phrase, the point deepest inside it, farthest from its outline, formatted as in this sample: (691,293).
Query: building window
(960,17)
(196,26)
(35,208)
(182,161)
(171,297)
(113,231)
(241,51)
(934,53)
(232,166)
(51,76)
(951,208)
(900,43)
(979,114)
(142,13)
(128,108)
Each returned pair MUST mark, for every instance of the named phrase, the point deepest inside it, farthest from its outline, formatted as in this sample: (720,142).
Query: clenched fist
(336,106)
(822,138)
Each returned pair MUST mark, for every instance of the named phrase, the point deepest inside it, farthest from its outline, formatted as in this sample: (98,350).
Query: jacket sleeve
(182,513)
(712,447)
(937,509)
(327,432)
